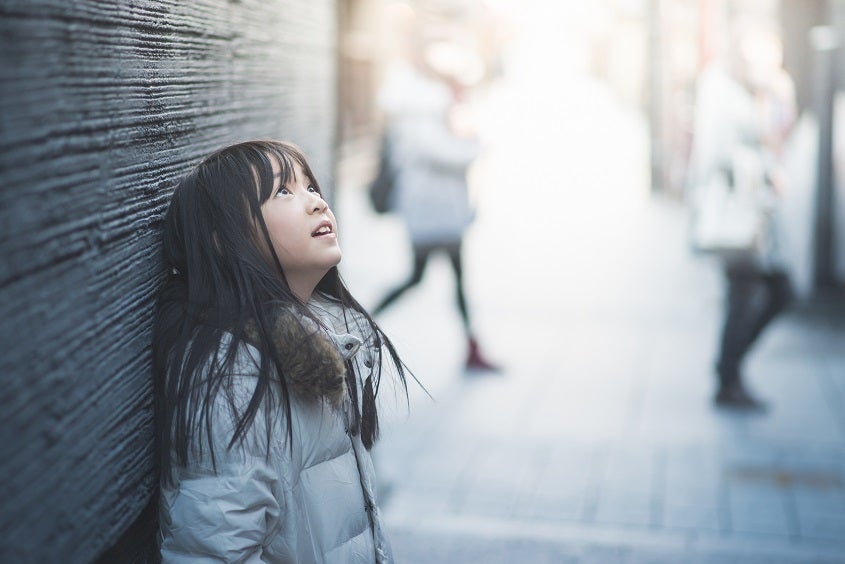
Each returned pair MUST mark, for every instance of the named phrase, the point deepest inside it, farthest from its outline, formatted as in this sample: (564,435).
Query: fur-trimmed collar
(313,366)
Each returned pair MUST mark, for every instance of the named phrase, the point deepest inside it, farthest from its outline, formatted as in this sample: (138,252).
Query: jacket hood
(311,362)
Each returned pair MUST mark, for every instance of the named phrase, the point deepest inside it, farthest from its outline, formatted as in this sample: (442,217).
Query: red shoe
(476,361)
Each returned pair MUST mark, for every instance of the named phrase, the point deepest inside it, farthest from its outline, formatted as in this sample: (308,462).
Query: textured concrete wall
(104,105)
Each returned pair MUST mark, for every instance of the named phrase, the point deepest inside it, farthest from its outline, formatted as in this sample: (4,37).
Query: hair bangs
(285,157)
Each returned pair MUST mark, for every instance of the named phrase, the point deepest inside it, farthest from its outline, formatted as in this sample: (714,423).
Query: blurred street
(599,441)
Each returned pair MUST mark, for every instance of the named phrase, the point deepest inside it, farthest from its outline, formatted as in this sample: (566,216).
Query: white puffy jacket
(315,503)
(430,160)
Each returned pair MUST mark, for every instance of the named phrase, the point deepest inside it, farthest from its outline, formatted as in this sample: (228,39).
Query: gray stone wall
(104,105)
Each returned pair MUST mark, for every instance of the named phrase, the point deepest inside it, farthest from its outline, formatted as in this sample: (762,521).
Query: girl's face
(302,229)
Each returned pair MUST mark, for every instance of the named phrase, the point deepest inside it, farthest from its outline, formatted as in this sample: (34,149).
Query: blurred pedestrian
(432,145)
(744,112)
(266,371)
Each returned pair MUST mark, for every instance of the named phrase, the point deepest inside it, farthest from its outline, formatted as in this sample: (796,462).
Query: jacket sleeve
(225,513)
(222,518)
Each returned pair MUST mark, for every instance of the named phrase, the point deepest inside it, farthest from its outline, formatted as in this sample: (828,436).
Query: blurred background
(599,441)
(596,440)
(645,55)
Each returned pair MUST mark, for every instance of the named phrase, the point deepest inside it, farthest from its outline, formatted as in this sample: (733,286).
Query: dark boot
(732,394)
(476,361)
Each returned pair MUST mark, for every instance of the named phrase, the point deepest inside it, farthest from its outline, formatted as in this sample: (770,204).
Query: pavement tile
(619,510)
(553,508)
(690,493)
(761,517)
(407,502)
(823,526)
(563,484)
(691,517)
(819,501)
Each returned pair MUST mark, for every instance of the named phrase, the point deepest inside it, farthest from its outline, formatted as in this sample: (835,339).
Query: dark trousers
(421,256)
(753,299)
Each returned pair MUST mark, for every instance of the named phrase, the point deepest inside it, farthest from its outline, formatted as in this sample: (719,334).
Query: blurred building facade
(368,42)
(104,105)
(650,52)
(685,36)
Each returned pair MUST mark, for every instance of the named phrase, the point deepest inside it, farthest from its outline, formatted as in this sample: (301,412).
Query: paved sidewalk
(598,443)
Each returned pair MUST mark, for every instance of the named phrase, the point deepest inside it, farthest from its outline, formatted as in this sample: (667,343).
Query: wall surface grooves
(104,106)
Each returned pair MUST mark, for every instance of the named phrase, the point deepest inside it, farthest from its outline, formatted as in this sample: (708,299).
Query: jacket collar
(313,358)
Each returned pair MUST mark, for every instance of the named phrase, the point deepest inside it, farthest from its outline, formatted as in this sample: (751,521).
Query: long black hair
(224,281)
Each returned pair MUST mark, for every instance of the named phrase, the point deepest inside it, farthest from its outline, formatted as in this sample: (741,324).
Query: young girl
(266,371)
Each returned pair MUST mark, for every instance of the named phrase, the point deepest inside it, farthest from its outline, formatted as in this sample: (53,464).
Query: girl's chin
(333,263)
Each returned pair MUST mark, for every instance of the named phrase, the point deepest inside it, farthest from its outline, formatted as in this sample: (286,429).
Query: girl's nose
(319,204)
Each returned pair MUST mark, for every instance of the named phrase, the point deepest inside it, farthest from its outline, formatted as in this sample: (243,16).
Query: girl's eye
(282,192)
(312,188)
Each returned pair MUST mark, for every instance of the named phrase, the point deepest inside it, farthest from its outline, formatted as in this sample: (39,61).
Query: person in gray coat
(431,148)
(266,372)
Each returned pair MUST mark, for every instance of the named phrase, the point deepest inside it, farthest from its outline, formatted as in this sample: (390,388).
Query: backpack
(382,186)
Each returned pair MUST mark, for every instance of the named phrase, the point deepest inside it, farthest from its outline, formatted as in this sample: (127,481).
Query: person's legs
(454,252)
(741,287)
(475,359)
(778,293)
(421,255)
(741,319)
